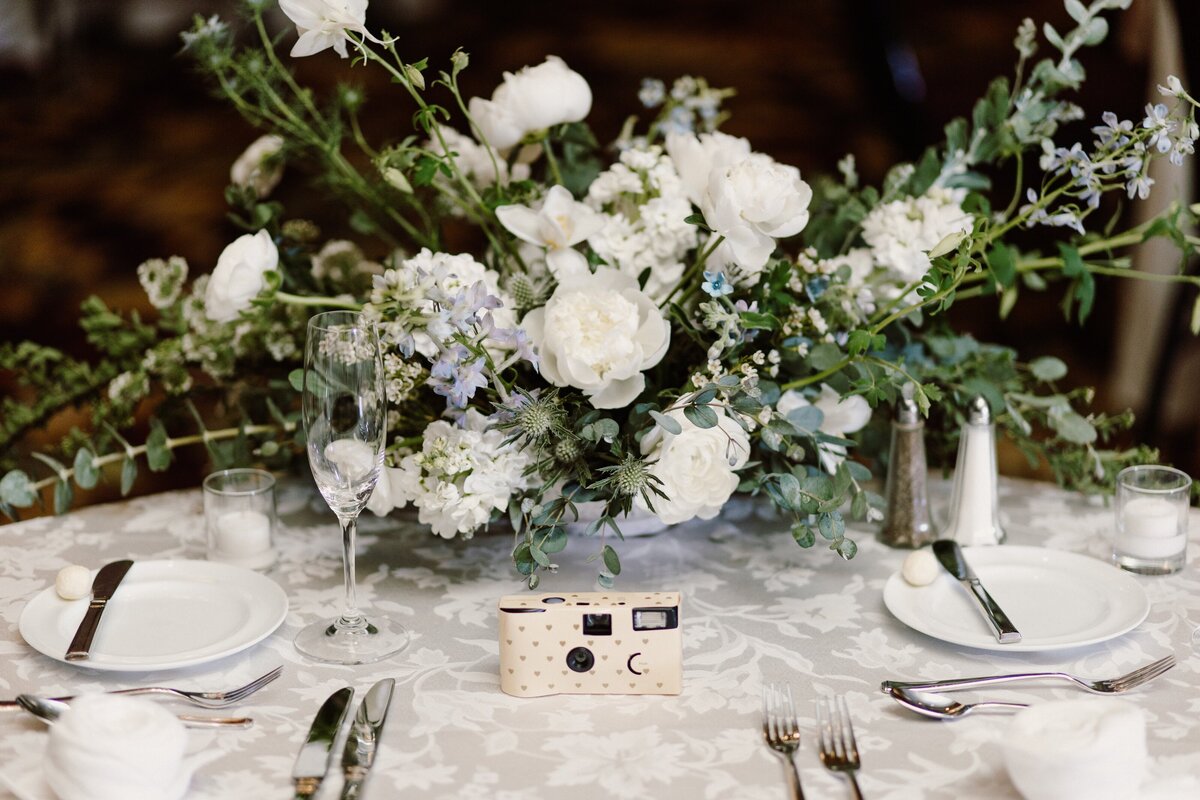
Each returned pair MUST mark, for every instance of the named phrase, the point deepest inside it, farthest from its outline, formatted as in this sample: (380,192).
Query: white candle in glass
(1150,528)
(243,535)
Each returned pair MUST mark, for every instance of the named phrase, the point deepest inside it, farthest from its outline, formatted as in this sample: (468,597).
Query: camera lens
(580,659)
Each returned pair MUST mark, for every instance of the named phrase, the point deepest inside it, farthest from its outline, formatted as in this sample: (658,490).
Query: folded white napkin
(108,747)
(1086,749)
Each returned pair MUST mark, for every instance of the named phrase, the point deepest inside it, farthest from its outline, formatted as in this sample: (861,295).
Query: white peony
(754,202)
(598,332)
(901,233)
(239,276)
(748,198)
(533,99)
(697,467)
(258,168)
(460,477)
(558,224)
(696,157)
(322,24)
(842,417)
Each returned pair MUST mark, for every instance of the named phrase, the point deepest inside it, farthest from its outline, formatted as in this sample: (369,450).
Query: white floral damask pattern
(756,608)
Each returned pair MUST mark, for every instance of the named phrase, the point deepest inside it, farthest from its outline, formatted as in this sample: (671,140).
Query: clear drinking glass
(1152,519)
(345,419)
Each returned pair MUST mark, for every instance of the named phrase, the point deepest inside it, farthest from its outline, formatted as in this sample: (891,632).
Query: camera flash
(647,619)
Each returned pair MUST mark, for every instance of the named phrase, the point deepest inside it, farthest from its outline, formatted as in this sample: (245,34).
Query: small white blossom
(163,280)
(901,233)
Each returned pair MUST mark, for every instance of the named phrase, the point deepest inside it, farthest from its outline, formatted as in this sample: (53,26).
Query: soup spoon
(49,710)
(939,706)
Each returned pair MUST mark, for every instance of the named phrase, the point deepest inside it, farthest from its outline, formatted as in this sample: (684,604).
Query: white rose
(597,333)
(697,467)
(842,417)
(239,275)
(752,203)
(257,168)
(533,99)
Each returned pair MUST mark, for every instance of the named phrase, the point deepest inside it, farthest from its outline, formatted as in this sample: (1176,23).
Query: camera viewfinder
(597,624)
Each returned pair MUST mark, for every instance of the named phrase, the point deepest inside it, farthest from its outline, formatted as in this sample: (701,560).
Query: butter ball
(920,568)
(73,582)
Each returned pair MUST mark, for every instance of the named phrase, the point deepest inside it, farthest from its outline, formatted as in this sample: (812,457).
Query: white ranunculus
(558,224)
(598,332)
(239,276)
(257,168)
(901,233)
(697,467)
(533,99)
(322,24)
(842,417)
(754,202)
(696,157)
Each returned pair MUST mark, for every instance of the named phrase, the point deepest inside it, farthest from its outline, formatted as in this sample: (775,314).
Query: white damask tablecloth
(755,608)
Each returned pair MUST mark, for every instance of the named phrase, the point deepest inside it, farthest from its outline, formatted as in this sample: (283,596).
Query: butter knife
(363,741)
(313,760)
(104,585)
(950,555)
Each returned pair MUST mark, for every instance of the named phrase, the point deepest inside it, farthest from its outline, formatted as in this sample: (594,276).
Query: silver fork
(835,736)
(1116,685)
(781,732)
(202,699)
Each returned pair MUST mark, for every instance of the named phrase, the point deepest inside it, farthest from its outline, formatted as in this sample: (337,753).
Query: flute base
(359,642)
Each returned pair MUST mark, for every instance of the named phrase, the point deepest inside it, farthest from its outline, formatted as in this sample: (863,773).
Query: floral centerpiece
(652,324)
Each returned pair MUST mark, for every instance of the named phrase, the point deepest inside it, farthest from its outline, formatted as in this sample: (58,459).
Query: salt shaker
(974,510)
(906,516)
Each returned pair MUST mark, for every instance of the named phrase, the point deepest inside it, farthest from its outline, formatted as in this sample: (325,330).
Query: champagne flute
(345,421)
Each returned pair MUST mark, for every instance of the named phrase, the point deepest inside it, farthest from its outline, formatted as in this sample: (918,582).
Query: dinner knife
(950,555)
(363,741)
(104,585)
(314,758)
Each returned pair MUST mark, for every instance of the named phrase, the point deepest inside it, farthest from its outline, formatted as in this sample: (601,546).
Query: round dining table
(755,609)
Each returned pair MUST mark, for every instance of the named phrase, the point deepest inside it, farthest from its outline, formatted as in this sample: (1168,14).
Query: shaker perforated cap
(906,411)
(979,412)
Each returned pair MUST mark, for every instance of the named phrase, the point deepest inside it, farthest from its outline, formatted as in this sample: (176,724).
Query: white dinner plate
(164,615)
(1056,599)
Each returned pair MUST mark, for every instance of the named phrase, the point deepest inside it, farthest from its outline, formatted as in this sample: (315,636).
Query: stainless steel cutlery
(104,585)
(360,749)
(950,555)
(202,699)
(50,710)
(941,707)
(1116,685)
(312,763)
(362,743)
(835,737)
(781,731)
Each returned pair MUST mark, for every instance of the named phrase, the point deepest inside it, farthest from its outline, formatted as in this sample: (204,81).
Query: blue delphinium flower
(716,284)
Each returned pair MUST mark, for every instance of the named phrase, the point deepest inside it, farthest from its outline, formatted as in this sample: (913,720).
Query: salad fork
(1116,685)
(835,736)
(202,699)
(781,732)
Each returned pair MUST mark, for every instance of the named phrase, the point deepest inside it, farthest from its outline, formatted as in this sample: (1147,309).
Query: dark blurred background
(112,149)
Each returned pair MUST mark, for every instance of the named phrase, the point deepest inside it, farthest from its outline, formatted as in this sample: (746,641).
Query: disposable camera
(590,643)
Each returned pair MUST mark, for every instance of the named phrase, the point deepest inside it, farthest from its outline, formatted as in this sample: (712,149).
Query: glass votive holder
(239,517)
(1152,519)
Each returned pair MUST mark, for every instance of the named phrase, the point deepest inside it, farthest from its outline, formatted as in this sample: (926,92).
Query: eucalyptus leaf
(611,561)
(1074,428)
(701,416)
(605,581)
(128,474)
(806,418)
(803,535)
(1048,368)
(86,474)
(541,558)
(668,424)
(555,540)
(16,489)
(847,549)
(63,496)
(158,451)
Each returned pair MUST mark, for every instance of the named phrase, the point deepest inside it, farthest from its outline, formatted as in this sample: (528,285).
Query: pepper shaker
(906,515)
(974,509)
